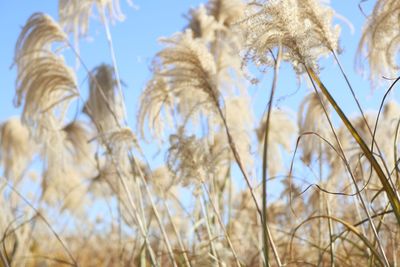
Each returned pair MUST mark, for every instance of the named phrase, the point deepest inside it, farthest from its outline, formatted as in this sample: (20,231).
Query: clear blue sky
(136,43)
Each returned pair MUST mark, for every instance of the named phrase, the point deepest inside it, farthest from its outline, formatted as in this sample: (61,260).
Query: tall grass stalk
(136,215)
(392,196)
(267,240)
(331,233)
(114,62)
(221,223)
(178,236)
(359,195)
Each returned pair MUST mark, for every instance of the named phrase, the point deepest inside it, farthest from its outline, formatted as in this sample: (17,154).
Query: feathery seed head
(380,41)
(75,14)
(311,118)
(202,24)
(104,103)
(37,36)
(302,28)
(16,148)
(187,158)
(44,82)
(185,81)
(156,101)
(122,139)
(281,132)
(226,12)
(77,141)
(188,65)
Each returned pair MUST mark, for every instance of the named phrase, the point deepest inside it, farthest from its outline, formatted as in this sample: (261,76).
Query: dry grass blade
(382,177)
(48,224)
(349,227)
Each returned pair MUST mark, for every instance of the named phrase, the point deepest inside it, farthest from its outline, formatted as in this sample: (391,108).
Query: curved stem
(391,194)
(371,158)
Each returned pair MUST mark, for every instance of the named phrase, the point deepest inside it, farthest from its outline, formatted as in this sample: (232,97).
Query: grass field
(302,185)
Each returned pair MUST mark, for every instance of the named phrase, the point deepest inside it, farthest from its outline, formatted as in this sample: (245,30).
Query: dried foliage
(80,179)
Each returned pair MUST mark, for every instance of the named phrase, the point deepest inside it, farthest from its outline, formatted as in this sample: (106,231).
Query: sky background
(135,42)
